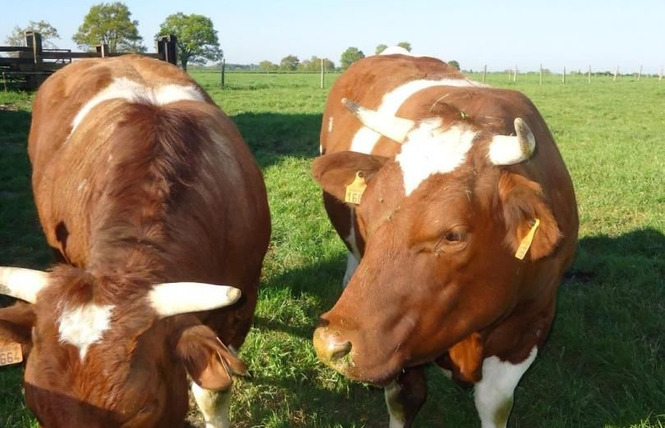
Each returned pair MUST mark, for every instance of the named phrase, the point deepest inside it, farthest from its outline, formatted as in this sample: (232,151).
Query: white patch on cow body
(133,91)
(365,139)
(214,405)
(84,325)
(429,151)
(494,393)
(392,50)
(395,409)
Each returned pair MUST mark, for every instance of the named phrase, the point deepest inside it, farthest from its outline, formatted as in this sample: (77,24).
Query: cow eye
(452,239)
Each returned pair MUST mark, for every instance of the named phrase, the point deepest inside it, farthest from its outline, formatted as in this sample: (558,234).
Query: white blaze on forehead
(428,151)
(133,91)
(365,139)
(84,325)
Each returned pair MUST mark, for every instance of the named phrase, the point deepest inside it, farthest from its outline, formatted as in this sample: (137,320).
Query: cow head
(441,223)
(95,359)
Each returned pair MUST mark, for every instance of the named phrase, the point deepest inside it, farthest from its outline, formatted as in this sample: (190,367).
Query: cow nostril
(340,350)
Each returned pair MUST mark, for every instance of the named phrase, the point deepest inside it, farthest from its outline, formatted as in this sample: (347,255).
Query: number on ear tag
(11,354)
(355,190)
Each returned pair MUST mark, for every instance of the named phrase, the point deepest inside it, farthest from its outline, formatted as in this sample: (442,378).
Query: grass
(604,364)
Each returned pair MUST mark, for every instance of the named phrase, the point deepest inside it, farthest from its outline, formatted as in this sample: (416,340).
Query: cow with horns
(151,198)
(460,220)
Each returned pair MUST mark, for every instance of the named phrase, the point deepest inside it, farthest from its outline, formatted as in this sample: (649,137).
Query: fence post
(166,48)
(223,72)
(660,75)
(34,40)
(102,50)
(639,75)
(616,73)
(484,73)
(540,80)
(322,72)
(563,79)
(515,75)
(589,74)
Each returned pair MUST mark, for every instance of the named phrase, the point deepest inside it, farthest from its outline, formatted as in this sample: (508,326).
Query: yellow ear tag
(526,242)
(355,190)
(11,354)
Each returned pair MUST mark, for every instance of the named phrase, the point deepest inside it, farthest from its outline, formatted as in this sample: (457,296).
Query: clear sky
(500,33)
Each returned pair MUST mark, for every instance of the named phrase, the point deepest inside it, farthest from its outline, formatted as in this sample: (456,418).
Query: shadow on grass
(271,135)
(14,125)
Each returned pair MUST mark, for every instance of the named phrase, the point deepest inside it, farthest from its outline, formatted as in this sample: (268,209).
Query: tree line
(112,24)
(197,40)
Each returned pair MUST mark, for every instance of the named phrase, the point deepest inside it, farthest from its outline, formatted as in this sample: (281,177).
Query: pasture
(604,364)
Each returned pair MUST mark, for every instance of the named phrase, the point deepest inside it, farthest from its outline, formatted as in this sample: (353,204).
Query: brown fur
(137,195)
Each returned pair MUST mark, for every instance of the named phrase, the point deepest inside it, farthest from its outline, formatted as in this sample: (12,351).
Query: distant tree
(454,63)
(289,63)
(111,24)
(380,48)
(405,45)
(197,38)
(268,66)
(350,56)
(314,64)
(48,32)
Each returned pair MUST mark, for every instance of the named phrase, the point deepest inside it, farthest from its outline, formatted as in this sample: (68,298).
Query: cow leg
(494,393)
(214,405)
(405,396)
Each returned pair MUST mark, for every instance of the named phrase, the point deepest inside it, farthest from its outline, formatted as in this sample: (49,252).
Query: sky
(501,34)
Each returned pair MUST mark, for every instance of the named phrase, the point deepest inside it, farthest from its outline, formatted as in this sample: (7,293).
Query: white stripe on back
(136,92)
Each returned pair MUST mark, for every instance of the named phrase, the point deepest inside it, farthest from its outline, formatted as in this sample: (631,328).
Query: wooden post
(541,75)
(589,74)
(563,79)
(166,48)
(616,73)
(484,73)
(322,73)
(34,40)
(102,50)
(639,75)
(223,71)
(660,76)
(515,75)
(4,80)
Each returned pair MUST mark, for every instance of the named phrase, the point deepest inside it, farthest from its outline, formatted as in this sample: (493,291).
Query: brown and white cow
(150,195)
(458,176)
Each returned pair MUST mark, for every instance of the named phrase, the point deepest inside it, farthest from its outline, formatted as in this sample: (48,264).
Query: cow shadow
(272,136)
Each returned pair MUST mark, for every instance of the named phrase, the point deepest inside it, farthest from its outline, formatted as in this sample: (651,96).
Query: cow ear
(207,360)
(335,171)
(525,211)
(16,324)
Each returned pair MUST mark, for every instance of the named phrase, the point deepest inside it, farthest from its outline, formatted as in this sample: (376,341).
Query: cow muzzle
(333,350)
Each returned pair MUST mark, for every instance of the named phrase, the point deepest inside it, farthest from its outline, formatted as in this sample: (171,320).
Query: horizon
(604,35)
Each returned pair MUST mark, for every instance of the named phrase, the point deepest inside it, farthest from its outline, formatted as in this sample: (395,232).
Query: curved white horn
(509,150)
(393,127)
(173,298)
(22,283)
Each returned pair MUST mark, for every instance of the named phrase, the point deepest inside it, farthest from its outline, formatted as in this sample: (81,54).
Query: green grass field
(604,364)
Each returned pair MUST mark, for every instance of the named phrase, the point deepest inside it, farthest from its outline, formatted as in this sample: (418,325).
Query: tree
(289,63)
(197,38)
(405,45)
(48,32)
(110,24)
(350,56)
(314,64)
(380,48)
(454,63)
(268,66)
